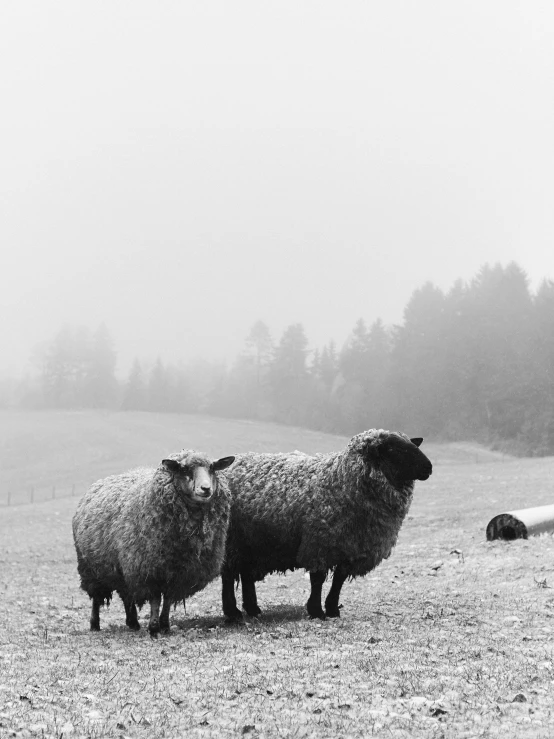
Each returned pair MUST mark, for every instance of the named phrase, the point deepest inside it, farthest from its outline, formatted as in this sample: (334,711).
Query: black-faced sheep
(339,511)
(150,533)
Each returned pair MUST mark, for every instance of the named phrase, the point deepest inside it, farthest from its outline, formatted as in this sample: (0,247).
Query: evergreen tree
(364,363)
(354,356)
(134,398)
(100,380)
(500,311)
(377,395)
(417,363)
(353,369)
(537,433)
(259,347)
(65,365)
(476,362)
(252,373)
(329,365)
(158,388)
(289,376)
(180,390)
(82,359)
(321,407)
(315,367)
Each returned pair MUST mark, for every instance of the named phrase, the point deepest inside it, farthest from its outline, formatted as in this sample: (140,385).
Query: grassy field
(73,448)
(451,637)
(66,449)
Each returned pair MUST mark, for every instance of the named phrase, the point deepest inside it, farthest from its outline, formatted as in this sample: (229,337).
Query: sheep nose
(206,489)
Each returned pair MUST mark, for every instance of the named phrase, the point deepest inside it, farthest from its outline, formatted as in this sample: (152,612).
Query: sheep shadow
(277,615)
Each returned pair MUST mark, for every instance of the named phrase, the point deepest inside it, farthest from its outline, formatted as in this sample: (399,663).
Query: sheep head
(397,456)
(195,476)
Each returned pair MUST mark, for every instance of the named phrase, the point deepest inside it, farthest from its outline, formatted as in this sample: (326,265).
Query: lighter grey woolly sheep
(150,533)
(339,511)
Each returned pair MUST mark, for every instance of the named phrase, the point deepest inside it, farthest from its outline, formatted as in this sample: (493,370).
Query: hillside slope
(65,448)
(43,449)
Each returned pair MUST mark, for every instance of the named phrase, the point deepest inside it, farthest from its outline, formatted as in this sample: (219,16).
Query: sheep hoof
(315,612)
(235,617)
(94,625)
(254,612)
(333,612)
(133,625)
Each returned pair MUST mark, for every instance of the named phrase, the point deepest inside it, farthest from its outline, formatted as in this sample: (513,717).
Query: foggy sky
(182,169)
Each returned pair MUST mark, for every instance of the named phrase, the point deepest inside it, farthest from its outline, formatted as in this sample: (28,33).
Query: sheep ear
(171,465)
(417,441)
(223,463)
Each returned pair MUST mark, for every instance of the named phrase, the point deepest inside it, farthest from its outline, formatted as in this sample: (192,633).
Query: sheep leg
(164,615)
(332,608)
(154,623)
(95,614)
(317,578)
(232,613)
(131,615)
(249,599)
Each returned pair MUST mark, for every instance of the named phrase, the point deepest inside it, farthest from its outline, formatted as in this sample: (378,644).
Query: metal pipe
(521,524)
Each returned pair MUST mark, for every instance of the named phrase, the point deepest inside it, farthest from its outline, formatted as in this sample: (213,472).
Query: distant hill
(42,449)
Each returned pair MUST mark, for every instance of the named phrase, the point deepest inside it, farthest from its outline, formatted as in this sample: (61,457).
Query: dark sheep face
(401,460)
(197,482)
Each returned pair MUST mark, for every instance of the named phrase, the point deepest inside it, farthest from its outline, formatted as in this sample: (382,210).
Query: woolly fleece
(315,512)
(136,534)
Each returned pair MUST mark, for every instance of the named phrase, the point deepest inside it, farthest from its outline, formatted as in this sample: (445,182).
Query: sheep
(150,533)
(339,512)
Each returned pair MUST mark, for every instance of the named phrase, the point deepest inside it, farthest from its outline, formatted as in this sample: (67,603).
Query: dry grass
(451,637)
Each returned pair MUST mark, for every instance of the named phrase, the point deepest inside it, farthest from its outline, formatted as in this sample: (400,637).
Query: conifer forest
(475,362)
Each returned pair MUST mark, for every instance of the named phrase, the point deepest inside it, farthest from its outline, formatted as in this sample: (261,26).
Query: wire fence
(39,495)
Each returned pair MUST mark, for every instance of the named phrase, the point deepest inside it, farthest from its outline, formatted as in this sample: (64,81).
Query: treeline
(475,362)
(76,369)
